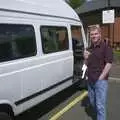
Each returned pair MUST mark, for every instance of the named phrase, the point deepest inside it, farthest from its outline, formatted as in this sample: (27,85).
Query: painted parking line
(69,106)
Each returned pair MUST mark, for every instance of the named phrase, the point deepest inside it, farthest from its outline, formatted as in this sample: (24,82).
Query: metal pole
(109,23)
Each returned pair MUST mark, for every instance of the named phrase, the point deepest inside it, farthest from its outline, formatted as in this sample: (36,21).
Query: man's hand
(105,71)
(86,54)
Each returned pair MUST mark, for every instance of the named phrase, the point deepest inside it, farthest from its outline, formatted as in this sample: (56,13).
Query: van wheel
(4,116)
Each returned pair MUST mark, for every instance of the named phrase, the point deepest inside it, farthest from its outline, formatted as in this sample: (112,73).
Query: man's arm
(105,71)
(86,55)
(108,60)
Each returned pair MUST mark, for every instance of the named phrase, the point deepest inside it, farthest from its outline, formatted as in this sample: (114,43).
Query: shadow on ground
(88,108)
(46,106)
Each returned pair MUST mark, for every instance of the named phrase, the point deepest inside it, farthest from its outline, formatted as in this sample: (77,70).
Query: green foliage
(116,57)
(75,3)
(117,53)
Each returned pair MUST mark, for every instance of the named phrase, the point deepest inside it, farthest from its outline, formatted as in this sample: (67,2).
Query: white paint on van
(24,77)
(44,7)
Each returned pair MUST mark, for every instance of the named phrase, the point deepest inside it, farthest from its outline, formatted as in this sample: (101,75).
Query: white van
(36,56)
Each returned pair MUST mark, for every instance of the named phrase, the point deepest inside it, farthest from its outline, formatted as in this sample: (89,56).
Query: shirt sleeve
(108,54)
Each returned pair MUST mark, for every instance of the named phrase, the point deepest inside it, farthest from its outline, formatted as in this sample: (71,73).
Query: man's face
(95,35)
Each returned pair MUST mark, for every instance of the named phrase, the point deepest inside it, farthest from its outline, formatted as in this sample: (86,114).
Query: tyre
(4,116)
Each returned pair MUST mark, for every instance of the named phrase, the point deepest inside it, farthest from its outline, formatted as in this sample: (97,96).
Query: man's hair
(94,27)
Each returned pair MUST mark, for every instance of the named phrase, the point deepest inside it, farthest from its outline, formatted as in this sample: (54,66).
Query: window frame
(54,26)
(80,27)
(34,53)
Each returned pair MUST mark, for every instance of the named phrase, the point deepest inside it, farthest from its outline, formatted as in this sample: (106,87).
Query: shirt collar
(97,44)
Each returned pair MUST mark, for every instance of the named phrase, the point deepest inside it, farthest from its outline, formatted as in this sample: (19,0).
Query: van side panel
(27,81)
(10,85)
(50,71)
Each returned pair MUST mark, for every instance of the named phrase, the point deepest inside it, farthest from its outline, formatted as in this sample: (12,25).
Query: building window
(54,39)
(16,41)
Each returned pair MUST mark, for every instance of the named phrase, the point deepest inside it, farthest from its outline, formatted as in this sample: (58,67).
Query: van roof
(57,8)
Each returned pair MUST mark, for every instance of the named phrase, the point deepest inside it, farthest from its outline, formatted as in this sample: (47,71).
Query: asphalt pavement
(115,71)
(80,112)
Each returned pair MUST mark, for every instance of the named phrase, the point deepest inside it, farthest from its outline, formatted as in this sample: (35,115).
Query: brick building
(91,13)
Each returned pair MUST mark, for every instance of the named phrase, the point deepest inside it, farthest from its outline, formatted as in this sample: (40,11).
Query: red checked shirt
(100,55)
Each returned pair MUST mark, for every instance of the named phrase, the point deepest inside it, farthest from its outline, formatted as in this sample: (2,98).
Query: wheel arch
(7,108)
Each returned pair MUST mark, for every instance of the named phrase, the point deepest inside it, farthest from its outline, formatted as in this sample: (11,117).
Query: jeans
(97,93)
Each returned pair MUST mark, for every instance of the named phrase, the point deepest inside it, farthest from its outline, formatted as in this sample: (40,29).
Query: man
(99,61)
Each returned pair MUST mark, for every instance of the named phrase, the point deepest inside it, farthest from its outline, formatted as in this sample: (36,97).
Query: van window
(77,37)
(16,41)
(54,39)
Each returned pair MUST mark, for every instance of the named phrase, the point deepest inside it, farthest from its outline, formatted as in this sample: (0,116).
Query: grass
(117,53)
(116,57)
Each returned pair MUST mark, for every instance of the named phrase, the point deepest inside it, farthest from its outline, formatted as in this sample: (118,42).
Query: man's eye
(96,33)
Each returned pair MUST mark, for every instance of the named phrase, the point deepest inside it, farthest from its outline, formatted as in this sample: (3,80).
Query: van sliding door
(78,47)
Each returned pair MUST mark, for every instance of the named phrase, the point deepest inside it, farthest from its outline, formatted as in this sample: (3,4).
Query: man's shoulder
(105,44)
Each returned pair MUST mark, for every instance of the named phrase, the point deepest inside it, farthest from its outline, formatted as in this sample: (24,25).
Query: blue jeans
(97,93)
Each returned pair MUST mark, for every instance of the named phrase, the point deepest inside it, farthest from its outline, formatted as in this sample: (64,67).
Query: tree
(75,3)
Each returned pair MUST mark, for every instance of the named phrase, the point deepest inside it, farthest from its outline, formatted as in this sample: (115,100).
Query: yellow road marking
(69,106)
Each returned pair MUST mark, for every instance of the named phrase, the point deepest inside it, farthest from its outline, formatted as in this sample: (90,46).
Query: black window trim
(53,26)
(24,56)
